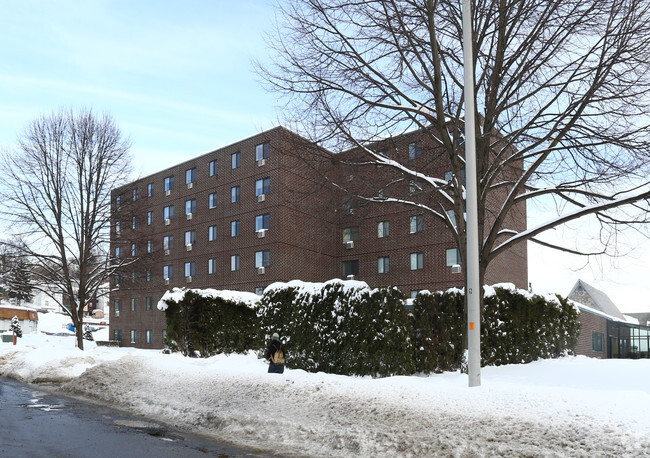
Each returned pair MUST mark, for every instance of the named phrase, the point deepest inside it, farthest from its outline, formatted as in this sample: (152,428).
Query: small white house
(28,318)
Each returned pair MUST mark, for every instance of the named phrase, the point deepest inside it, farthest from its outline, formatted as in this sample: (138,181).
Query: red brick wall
(590,323)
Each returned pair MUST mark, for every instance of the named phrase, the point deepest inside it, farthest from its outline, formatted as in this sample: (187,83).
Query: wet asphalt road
(34,423)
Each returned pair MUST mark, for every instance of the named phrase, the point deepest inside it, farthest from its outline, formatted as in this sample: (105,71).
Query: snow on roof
(598,300)
(177,294)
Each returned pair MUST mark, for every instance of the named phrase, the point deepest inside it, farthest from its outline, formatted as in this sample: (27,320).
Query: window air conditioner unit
(117,313)
(261,233)
(261,198)
(261,270)
(168,222)
(167,281)
(455,269)
(261,162)
(189,216)
(166,252)
(188,247)
(350,277)
(349,244)
(188,279)
(168,192)
(190,185)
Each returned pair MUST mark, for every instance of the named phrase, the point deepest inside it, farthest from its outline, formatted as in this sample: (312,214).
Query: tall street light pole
(473,288)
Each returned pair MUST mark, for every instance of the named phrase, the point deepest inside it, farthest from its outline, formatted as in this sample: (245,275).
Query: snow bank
(177,294)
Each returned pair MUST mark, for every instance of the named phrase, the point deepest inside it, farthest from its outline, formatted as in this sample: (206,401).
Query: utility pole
(472,287)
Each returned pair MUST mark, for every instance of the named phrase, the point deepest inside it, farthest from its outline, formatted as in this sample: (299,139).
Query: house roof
(586,294)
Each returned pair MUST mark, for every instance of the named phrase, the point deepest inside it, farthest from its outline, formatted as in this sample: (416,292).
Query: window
(414,187)
(262,222)
(168,212)
(118,201)
(168,272)
(235,160)
(135,194)
(190,237)
(148,303)
(415,150)
(351,234)
(213,168)
(450,175)
(234,228)
(415,224)
(262,186)
(259,290)
(118,228)
(262,258)
(149,334)
(132,336)
(383,229)
(150,190)
(453,257)
(417,261)
(190,206)
(134,303)
(119,252)
(133,277)
(597,340)
(212,233)
(149,218)
(117,335)
(149,246)
(452,217)
(148,274)
(190,175)
(234,262)
(234,194)
(212,266)
(169,183)
(414,293)
(212,200)
(117,307)
(262,151)
(350,268)
(190,269)
(134,249)
(383,265)
(134,222)
(168,242)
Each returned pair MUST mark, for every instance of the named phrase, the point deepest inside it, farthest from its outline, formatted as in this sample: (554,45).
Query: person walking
(275,355)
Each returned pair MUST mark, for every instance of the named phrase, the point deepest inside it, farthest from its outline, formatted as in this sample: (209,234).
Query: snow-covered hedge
(340,327)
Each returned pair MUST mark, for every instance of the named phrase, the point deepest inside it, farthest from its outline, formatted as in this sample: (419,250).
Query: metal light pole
(473,287)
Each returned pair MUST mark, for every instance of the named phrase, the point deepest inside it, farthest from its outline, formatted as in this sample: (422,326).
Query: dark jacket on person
(274,346)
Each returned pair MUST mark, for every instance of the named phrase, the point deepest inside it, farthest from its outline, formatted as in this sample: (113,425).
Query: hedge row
(344,327)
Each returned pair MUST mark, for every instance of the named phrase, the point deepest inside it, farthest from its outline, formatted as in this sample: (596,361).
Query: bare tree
(56,189)
(561,97)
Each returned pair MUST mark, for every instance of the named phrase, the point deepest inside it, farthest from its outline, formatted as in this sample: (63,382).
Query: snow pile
(573,406)
(177,294)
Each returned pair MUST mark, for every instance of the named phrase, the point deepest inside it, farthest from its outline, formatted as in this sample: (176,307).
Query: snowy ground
(568,407)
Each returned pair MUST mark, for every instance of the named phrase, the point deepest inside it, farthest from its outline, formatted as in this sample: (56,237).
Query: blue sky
(177,77)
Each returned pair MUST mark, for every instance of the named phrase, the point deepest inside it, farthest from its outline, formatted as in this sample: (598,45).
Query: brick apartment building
(255,212)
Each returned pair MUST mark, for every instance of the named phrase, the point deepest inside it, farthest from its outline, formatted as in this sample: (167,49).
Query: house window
(597,341)
(148,274)
(149,334)
(134,249)
(118,201)
(168,242)
(168,212)
(134,303)
(149,218)
(150,190)
(135,194)
(350,268)
(213,168)
(417,261)
(383,229)
(415,150)
(262,258)
(212,233)
(453,257)
(234,194)
(133,335)
(149,303)
(212,200)
(149,246)
(190,206)
(169,183)
(190,175)
(262,151)
(212,266)
(415,224)
(235,160)
(451,216)
(351,234)
(262,186)
(190,237)
(117,307)
(119,252)
(383,265)
(168,272)
(190,269)
(117,335)
(262,222)
(234,262)
(134,222)
(234,228)
(118,228)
